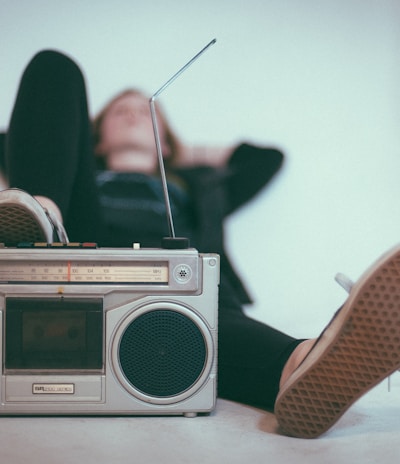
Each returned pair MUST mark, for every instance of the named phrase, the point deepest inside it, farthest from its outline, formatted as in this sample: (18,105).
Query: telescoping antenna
(171,242)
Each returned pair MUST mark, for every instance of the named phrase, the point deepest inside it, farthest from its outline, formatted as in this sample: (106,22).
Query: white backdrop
(317,78)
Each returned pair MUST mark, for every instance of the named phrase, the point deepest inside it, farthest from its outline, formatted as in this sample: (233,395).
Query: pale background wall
(317,78)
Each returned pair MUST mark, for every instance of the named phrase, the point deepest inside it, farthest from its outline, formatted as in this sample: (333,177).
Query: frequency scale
(103,266)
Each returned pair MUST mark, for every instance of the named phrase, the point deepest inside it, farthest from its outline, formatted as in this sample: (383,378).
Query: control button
(25,245)
(40,245)
(89,245)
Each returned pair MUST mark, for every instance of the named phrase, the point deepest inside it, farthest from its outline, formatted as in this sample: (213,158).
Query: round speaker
(164,352)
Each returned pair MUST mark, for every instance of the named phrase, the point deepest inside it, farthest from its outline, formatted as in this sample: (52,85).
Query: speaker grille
(162,353)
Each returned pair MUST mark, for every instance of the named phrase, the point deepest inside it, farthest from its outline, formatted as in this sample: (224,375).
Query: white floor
(368,433)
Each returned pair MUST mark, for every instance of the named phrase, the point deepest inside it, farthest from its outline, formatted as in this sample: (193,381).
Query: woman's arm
(249,170)
(243,170)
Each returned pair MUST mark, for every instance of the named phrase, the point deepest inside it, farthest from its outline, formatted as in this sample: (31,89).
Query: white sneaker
(24,220)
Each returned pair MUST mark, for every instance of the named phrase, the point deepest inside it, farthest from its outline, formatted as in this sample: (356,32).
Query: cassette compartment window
(54,334)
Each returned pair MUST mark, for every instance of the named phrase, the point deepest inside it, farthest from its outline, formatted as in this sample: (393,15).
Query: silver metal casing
(108,331)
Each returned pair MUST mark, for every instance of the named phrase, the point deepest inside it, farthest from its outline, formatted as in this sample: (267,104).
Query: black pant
(49,152)
(48,144)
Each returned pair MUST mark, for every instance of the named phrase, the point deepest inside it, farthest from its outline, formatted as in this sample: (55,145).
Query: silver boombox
(108,331)
(89,330)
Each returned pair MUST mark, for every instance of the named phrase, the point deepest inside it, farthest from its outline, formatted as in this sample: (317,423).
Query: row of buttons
(86,245)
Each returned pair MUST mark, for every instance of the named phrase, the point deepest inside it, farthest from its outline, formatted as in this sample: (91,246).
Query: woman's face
(126,124)
(127,132)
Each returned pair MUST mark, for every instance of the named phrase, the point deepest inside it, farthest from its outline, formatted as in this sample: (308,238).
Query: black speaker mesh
(162,353)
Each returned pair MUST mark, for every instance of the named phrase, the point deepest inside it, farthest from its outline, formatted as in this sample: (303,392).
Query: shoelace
(347,284)
(344,282)
(59,228)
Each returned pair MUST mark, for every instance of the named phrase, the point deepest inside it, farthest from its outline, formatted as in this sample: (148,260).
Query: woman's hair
(173,143)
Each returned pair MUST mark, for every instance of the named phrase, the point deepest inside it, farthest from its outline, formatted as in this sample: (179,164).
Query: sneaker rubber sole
(357,350)
(22,219)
